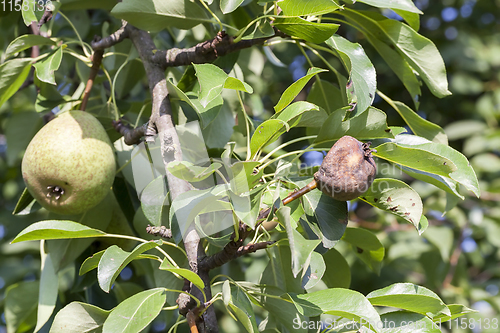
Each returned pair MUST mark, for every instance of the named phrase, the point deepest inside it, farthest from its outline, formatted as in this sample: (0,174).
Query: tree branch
(161,122)
(115,38)
(231,251)
(96,63)
(155,62)
(161,231)
(131,136)
(206,51)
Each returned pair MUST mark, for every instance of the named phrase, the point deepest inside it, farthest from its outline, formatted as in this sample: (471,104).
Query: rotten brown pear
(347,171)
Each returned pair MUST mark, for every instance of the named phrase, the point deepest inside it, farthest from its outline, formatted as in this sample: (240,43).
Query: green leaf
(457,310)
(246,210)
(403,321)
(93,262)
(464,173)
(338,273)
(20,305)
(371,124)
(28,13)
(136,312)
(340,302)
(114,260)
(362,77)
(442,238)
(314,271)
(308,7)
(154,201)
(79,317)
(278,271)
(26,204)
(282,313)
(188,205)
(45,68)
(445,183)
(309,31)
(228,6)
(412,19)
(392,57)
(262,29)
(24,42)
(267,132)
(406,5)
(325,95)
(296,113)
(418,159)
(420,53)
(47,295)
(368,247)
(237,300)
(219,131)
(417,124)
(185,273)
(87,4)
(155,15)
(396,197)
(235,84)
(300,248)
(190,172)
(242,176)
(411,297)
(206,114)
(13,73)
(211,79)
(327,214)
(54,229)
(294,89)
(65,251)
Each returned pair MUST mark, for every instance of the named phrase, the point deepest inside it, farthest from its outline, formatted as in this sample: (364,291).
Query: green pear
(69,166)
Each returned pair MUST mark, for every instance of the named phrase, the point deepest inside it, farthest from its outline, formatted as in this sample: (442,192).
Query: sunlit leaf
(409,296)
(56,230)
(294,89)
(136,312)
(114,260)
(155,15)
(396,197)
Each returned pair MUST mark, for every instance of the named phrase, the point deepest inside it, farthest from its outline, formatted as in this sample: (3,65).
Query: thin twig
(35,52)
(251,248)
(113,39)
(191,319)
(96,63)
(46,17)
(457,251)
(131,135)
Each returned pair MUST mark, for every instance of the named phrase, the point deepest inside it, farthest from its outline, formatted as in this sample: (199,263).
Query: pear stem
(291,197)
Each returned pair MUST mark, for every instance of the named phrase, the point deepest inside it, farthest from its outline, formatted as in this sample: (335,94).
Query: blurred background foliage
(457,256)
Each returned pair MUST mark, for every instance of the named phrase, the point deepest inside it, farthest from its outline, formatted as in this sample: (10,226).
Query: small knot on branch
(161,231)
